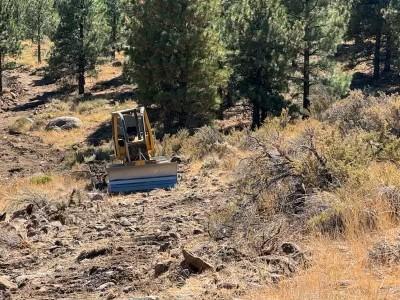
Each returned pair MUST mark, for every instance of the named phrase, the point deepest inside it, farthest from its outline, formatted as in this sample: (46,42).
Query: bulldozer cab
(132,135)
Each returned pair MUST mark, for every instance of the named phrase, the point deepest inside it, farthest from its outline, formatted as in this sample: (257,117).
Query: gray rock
(21,280)
(197,231)
(165,246)
(125,222)
(21,125)
(196,263)
(9,236)
(106,286)
(175,235)
(161,268)
(64,123)
(95,196)
(228,285)
(93,253)
(6,284)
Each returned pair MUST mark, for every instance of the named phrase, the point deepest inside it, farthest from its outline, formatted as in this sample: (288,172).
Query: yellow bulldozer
(137,169)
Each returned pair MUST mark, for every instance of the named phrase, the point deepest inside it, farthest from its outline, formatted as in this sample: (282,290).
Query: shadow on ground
(40,100)
(101,135)
(112,83)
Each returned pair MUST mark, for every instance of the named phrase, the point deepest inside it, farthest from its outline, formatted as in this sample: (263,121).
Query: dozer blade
(131,178)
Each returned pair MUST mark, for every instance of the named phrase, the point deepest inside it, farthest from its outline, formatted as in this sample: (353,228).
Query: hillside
(62,240)
(278,119)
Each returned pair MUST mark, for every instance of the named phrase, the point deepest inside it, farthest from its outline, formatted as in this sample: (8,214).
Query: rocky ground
(157,245)
(24,154)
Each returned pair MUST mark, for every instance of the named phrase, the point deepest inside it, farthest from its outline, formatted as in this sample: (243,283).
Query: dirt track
(24,154)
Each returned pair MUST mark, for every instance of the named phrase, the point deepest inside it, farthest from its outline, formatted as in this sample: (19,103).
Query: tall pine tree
(392,22)
(79,39)
(114,18)
(40,20)
(321,25)
(10,31)
(261,44)
(367,22)
(175,58)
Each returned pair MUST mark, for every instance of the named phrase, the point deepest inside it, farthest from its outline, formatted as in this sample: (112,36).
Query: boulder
(197,264)
(161,268)
(21,125)
(9,236)
(64,123)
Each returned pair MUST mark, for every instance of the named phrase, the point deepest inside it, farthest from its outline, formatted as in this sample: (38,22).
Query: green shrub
(338,83)
(210,162)
(172,144)
(88,106)
(301,159)
(370,113)
(41,179)
(205,141)
(79,155)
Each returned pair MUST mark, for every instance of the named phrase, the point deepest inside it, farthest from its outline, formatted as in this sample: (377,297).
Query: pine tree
(367,22)
(40,20)
(261,44)
(175,58)
(321,25)
(114,18)
(10,31)
(79,39)
(392,21)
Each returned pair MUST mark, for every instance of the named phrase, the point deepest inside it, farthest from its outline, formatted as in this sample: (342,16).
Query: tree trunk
(81,81)
(1,73)
(306,66)
(306,80)
(168,120)
(227,101)
(39,52)
(377,54)
(264,113)
(388,54)
(114,36)
(39,40)
(81,64)
(256,115)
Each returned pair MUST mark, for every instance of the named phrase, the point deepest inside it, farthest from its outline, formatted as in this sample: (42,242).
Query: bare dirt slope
(24,154)
(86,245)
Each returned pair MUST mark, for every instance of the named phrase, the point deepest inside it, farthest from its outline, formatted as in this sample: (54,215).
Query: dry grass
(106,71)
(91,119)
(340,270)
(55,188)
(28,55)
